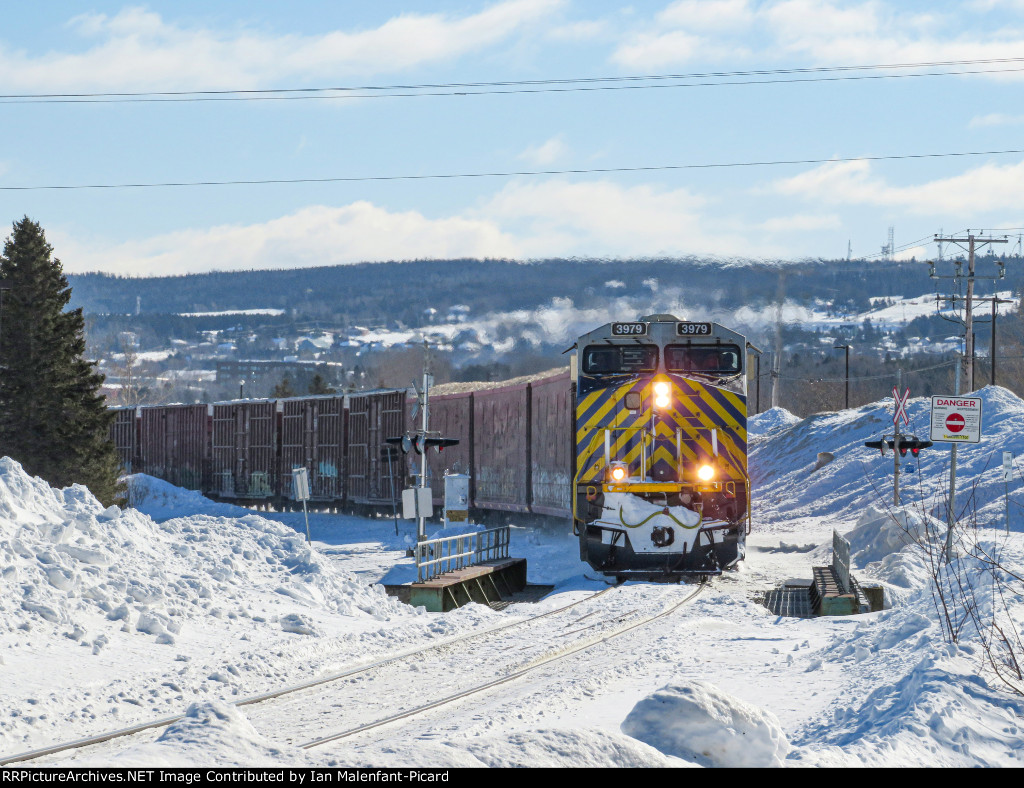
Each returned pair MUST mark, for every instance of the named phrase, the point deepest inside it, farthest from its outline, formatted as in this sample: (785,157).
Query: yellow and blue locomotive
(661,487)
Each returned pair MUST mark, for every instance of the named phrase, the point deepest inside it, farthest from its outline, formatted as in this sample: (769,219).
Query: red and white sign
(956,419)
(901,406)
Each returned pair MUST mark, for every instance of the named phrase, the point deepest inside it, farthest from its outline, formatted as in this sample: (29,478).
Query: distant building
(253,371)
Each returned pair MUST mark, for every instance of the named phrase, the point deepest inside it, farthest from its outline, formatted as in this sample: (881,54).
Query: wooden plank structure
(835,591)
(488,583)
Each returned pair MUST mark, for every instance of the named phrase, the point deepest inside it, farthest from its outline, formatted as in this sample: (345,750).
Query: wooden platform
(829,598)
(493,583)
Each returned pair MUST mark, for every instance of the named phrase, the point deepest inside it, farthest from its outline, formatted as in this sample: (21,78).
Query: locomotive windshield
(614,359)
(706,359)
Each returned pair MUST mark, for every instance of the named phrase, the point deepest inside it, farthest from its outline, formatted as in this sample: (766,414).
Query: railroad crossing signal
(420,443)
(910,443)
(901,406)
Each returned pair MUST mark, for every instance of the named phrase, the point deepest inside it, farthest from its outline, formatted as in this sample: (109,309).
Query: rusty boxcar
(373,417)
(501,451)
(551,450)
(245,461)
(174,444)
(124,435)
(313,436)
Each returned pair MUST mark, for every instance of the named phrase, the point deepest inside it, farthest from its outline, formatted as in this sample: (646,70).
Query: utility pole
(777,357)
(847,349)
(972,242)
(428,379)
(992,344)
(757,374)
(896,441)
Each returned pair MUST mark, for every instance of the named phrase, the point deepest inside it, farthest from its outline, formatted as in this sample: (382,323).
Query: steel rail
(164,721)
(560,654)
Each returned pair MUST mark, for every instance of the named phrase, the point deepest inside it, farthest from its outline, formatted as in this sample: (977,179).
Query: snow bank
(700,722)
(213,734)
(781,459)
(880,532)
(64,555)
(103,603)
(162,500)
(541,748)
(771,420)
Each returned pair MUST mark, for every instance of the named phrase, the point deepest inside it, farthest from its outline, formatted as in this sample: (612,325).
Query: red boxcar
(124,434)
(501,451)
(245,449)
(175,444)
(313,436)
(551,450)
(372,418)
(451,416)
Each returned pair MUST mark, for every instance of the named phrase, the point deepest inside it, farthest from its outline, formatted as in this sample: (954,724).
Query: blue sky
(772,212)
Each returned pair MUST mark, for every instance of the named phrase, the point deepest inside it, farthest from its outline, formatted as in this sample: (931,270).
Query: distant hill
(402,291)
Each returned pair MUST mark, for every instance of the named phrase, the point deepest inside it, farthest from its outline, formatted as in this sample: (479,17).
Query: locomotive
(660,487)
(642,442)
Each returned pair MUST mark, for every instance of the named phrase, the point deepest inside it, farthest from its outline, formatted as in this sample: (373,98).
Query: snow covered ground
(182,606)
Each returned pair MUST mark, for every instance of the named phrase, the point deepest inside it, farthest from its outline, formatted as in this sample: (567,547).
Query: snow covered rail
(529,667)
(101,738)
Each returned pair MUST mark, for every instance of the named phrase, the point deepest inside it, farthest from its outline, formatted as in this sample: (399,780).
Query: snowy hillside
(182,607)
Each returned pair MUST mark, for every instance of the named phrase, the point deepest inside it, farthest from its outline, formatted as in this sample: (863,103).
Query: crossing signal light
(420,443)
(910,443)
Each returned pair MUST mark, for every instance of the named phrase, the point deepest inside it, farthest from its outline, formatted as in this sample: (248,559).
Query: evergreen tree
(283,389)
(319,386)
(53,419)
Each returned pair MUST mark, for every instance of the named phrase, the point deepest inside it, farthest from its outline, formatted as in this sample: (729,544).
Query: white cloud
(580,31)
(599,217)
(546,153)
(707,14)
(524,220)
(967,196)
(800,223)
(914,253)
(995,119)
(136,48)
(318,235)
(658,50)
(818,31)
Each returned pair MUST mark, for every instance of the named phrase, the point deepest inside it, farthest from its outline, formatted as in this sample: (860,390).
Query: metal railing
(841,561)
(436,556)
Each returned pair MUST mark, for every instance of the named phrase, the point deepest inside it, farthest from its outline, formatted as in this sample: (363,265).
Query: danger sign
(956,419)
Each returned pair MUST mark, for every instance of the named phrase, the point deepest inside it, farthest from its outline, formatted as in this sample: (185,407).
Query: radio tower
(889,250)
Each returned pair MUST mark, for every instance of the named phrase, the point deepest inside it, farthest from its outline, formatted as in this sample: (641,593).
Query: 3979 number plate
(693,329)
(629,329)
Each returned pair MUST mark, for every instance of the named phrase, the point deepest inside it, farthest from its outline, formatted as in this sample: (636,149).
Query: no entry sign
(956,419)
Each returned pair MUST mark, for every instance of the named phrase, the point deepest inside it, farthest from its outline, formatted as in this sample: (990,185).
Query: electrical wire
(522,86)
(510,173)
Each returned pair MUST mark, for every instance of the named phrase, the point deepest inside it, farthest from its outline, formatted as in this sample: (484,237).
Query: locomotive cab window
(617,359)
(705,359)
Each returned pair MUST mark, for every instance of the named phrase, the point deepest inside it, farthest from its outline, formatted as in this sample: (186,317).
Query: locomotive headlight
(661,395)
(706,473)
(618,472)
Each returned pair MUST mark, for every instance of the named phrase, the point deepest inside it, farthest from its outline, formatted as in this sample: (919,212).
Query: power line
(520,86)
(510,173)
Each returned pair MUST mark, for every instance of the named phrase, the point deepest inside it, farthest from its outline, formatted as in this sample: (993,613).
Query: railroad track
(348,674)
(533,664)
(627,623)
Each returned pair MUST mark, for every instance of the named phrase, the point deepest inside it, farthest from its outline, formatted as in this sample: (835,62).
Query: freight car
(642,443)
(514,443)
